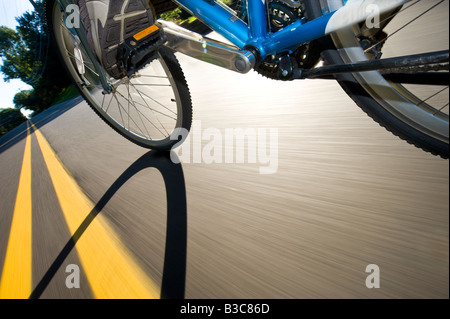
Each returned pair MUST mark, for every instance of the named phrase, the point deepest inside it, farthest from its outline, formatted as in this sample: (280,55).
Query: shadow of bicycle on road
(174,270)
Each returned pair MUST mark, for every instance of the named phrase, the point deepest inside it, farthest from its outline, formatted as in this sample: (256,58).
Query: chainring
(306,56)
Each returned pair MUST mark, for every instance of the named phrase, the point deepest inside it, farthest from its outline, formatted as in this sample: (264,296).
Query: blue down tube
(222,20)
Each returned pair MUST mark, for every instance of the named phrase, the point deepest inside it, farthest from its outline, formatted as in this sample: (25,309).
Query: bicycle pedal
(141,49)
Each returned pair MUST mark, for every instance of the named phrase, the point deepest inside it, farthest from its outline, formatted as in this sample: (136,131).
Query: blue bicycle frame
(254,34)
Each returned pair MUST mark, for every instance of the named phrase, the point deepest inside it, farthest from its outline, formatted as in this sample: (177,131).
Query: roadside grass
(68,93)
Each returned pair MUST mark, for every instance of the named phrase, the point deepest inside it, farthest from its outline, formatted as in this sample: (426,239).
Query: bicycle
(285,40)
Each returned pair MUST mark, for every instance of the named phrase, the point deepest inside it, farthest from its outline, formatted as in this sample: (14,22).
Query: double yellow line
(16,276)
(109,267)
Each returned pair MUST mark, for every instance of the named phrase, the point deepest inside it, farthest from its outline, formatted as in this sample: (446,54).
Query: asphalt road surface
(343,194)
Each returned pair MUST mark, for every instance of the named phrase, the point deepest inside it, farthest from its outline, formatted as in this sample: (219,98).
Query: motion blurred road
(346,194)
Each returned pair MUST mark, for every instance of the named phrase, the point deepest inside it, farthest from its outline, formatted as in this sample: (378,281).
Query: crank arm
(207,50)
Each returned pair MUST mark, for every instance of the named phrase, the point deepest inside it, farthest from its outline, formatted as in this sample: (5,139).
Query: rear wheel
(416,113)
(147,108)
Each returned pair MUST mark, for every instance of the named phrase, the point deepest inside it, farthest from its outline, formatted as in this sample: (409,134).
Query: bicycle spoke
(155,111)
(136,109)
(423,101)
(110,100)
(140,92)
(77,59)
(404,26)
(143,116)
(120,105)
(437,111)
(390,17)
(103,102)
(134,105)
(117,100)
(128,113)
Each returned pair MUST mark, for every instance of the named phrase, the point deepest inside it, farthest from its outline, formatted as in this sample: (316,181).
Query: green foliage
(180,15)
(17,60)
(27,54)
(174,15)
(66,94)
(22,49)
(9,119)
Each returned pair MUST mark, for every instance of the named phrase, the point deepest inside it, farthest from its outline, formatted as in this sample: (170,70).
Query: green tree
(28,55)
(16,59)
(174,15)
(9,119)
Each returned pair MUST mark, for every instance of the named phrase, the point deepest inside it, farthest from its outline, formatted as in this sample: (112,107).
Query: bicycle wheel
(416,113)
(146,108)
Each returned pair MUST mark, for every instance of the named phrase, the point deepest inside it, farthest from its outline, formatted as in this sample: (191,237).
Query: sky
(9,9)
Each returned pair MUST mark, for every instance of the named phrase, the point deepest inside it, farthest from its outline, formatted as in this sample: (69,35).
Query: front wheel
(416,113)
(147,108)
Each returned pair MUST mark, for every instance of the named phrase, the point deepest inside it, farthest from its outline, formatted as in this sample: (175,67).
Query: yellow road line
(109,267)
(16,276)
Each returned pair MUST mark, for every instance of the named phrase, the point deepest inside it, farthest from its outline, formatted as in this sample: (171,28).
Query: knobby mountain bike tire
(148,108)
(416,113)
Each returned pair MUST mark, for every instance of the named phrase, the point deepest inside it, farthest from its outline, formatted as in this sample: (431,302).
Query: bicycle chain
(414,69)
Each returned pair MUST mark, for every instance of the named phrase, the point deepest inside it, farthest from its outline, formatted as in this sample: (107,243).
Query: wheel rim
(425,108)
(146,107)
